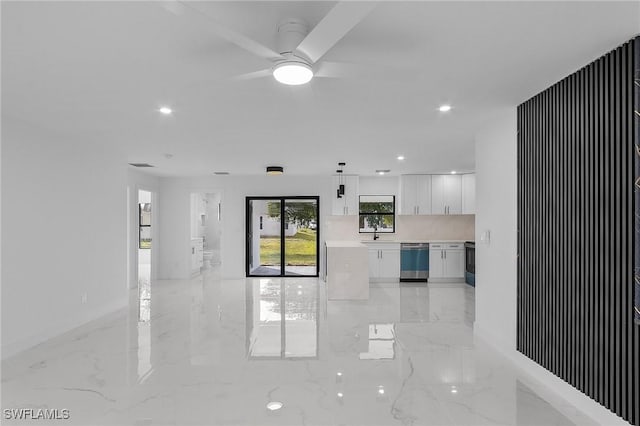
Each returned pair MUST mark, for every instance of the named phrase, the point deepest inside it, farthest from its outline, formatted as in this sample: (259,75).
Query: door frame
(282,199)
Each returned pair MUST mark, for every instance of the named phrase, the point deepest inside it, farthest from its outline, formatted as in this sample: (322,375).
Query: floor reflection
(282,318)
(144,292)
(215,351)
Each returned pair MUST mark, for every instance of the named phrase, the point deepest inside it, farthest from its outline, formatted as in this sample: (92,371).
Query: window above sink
(377,214)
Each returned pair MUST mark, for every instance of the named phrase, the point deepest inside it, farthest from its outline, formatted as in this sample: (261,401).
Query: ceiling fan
(299,50)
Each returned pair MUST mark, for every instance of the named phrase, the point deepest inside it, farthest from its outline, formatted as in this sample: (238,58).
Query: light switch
(485,237)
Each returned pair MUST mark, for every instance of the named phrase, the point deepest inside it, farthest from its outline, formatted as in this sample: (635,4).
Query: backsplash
(408,228)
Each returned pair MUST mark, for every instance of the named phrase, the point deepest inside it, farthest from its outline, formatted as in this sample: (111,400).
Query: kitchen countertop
(345,243)
(410,241)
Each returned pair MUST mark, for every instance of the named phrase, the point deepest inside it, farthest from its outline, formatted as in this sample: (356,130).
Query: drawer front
(436,246)
(454,246)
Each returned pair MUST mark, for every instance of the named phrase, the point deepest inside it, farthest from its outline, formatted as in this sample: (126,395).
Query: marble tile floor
(215,352)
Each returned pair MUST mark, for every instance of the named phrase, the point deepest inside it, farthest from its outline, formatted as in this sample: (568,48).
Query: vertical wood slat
(575,231)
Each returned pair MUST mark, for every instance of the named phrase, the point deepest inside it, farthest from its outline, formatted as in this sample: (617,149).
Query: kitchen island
(347,274)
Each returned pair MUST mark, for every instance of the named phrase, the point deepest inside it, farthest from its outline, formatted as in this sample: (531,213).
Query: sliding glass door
(282,236)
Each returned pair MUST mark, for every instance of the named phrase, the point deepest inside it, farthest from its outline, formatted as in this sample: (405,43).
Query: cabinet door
(408,191)
(351,195)
(469,194)
(390,264)
(453,194)
(454,263)
(436,267)
(423,194)
(374,263)
(438,200)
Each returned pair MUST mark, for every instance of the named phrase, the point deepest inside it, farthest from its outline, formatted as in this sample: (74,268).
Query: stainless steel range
(470,263)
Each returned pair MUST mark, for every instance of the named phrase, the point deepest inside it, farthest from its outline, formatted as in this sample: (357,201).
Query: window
(377,213)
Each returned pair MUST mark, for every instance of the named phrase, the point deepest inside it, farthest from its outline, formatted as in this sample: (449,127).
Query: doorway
(144,255)
(282,236)
(206,231)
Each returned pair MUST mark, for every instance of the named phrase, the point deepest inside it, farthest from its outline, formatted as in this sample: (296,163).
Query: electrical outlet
(83,299)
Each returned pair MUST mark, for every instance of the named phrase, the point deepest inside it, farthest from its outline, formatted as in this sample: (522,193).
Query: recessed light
(381,391)
(339,373)
(165,110)
(454,391)
(445,108)
(293,73)
(453,172)
(381,171)
(400,157)
(340,394)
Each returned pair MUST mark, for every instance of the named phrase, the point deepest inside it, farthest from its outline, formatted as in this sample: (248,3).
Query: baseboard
(543,382)
(12,348)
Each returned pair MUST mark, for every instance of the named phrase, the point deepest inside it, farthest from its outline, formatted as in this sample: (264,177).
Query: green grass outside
(300,249)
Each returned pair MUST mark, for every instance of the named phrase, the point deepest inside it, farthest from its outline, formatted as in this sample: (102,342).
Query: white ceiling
(98,71)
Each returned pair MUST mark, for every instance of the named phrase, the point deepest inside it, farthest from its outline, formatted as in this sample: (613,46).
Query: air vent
(141,165)
(221,173)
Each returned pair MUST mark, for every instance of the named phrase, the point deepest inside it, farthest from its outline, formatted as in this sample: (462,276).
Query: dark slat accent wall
(576,172)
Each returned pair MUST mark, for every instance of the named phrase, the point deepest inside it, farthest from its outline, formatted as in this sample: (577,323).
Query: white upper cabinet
(415,192)
(348,203)
(469,194)
(446,194)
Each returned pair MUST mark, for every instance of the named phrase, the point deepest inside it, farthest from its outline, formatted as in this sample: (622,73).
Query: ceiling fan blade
(253,75)
(327,69)
(335,25)
(179,7)
(348,70)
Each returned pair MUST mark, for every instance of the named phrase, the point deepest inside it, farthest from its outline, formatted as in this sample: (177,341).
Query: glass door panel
(301,237)
(264,237)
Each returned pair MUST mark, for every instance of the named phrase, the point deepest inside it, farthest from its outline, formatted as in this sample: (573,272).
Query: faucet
(375,233)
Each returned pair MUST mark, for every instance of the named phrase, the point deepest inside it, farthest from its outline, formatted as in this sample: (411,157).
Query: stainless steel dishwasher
(414,262)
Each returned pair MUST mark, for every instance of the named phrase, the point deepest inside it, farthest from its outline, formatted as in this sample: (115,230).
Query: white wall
(380,185)
(175,219)
(64,233)
(496,208)
(496,267)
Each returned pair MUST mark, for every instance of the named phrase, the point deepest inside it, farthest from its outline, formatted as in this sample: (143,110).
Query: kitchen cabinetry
(415,191)
(197,255)
(446,260)
(348,203)
(446,194)
(384,261)
(469,193)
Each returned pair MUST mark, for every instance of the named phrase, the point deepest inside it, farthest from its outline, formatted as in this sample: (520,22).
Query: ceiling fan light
(292,73)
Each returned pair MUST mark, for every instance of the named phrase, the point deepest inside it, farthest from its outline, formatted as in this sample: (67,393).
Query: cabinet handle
(441,256)
(445,254)
(418,209)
